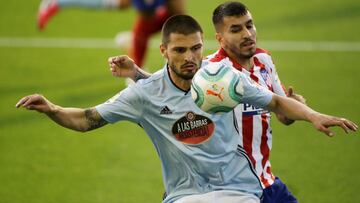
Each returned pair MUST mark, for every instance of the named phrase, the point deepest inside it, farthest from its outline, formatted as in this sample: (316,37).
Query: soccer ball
(217,87)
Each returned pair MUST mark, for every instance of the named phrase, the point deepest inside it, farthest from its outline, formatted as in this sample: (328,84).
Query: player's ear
(163,50)
(218,37)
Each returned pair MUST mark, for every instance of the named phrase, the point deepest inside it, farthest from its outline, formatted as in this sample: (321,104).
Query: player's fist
(122,66)
(36,102)
(297,97)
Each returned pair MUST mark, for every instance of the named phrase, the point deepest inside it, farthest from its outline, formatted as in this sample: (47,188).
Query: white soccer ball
(217,87)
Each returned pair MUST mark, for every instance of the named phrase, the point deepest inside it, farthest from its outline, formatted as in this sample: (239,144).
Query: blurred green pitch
(42,162)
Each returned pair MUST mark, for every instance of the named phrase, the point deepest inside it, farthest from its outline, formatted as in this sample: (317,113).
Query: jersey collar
(171,82)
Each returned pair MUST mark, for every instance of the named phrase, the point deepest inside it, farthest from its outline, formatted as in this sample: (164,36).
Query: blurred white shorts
(220,196)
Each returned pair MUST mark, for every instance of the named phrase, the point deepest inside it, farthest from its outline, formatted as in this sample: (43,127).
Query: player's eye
(250,26)
(180,50)
(235,29)
(197,47)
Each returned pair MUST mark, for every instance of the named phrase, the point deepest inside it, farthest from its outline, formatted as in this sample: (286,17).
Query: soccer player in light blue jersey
(199,152)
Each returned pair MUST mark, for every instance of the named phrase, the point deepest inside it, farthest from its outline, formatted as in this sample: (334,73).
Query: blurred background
(315,45)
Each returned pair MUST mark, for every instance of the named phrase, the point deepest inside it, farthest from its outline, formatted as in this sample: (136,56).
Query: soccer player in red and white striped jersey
(236,33)
(253,122)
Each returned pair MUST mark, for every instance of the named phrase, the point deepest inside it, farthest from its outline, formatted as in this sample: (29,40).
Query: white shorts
(220,196)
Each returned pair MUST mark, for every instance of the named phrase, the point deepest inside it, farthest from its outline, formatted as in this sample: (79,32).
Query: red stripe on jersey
(247,130)
(258,63)
(219,56)
(264,148)
(264,181)
(253,76)
(237,65)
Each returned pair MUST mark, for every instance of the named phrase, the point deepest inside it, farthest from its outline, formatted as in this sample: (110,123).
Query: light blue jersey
(199,152)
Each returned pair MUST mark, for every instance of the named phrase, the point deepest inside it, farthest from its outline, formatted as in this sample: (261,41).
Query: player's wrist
(53,110)
(313,117)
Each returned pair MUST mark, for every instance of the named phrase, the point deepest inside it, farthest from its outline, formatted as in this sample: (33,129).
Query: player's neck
(246,63)
(181,83)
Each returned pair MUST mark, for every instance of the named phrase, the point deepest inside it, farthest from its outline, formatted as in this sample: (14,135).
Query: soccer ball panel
(217,88)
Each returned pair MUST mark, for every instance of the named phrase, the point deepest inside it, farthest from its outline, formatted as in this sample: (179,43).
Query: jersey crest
(193,128)
(265,75)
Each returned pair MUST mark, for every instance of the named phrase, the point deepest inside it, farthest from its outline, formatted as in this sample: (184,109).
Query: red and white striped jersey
(253,122)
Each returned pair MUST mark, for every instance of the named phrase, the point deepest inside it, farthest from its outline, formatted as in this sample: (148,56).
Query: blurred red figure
(151,14)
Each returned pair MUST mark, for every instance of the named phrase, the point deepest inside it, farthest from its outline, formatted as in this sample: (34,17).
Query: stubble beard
(184,76)
(242,54)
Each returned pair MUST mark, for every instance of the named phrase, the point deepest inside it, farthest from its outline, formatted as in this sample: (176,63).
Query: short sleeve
(253,93)
(277,85)
(126,105)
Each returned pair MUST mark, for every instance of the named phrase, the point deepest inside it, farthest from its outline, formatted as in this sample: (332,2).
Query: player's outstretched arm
(72,118)
(124,66)
(291,94)
(297,111)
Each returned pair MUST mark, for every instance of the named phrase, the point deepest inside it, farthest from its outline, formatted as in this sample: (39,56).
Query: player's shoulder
(144,89)
(152,81)
(211,56)
(218,57)
(262,53)
(263,56)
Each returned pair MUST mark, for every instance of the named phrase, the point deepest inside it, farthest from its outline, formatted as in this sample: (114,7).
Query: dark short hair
(181,24)
(231,8)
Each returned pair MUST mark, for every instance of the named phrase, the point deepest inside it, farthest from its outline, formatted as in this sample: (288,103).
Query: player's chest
(183,120)
(172,107)
(260,75)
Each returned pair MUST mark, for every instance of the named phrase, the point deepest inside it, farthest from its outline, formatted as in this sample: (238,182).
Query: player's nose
(189,56)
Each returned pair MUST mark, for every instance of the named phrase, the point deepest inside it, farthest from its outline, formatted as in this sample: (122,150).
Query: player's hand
(122,66)
(36,102)
(323,122)
(297,97)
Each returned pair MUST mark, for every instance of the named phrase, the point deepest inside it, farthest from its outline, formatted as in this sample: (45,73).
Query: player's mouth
(248,44)
(189,66)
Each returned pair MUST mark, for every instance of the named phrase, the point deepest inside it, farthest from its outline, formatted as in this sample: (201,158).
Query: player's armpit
(94,119)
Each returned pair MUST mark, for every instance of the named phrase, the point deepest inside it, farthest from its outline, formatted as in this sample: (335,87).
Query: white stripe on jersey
(256,151)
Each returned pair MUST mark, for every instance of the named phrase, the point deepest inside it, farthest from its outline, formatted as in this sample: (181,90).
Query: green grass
(318,168)
(42,162)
